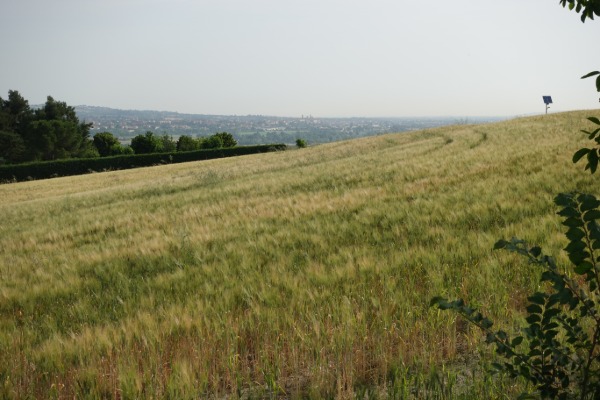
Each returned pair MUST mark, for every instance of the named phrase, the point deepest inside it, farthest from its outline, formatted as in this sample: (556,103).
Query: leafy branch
(558,351)
(593,154)
(588,8)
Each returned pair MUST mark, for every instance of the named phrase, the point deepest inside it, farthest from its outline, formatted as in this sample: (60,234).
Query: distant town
(256,129)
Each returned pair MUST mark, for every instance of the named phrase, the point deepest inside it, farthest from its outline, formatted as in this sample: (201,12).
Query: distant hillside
(256,129)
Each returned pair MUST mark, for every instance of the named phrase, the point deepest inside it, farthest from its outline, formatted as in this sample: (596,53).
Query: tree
(48,133)
(56,110)
(54,139)
(187,143)
(212,142)
(167,144)
(12,147)
(14,117)
(55,132)
(218,140)
(59,110)
(147,143)
(14,112)
(127,150)
(227,139)
(107,144)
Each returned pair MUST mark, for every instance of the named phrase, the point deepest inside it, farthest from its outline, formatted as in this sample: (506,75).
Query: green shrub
(77,166)
(558,351)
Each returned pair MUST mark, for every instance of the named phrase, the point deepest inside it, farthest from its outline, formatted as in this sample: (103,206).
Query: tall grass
(303,274)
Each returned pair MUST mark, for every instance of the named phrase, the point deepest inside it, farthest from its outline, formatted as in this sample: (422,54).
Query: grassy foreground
(301,274)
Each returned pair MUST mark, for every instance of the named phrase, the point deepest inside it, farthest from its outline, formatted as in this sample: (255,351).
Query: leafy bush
(167,144)
(107,144)
(593,154)
(227,139)
(212,142)
(147,143)
(300,143)
(187,143)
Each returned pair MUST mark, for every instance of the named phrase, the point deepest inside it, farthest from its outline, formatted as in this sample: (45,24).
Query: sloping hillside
(301,273)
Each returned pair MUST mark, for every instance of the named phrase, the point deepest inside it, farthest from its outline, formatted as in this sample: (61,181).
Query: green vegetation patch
(303,274)
(78,166)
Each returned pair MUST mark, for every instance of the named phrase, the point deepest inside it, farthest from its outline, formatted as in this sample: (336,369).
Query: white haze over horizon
(326,58)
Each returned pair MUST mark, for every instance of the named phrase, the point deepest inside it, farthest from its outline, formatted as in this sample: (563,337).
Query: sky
(326,58)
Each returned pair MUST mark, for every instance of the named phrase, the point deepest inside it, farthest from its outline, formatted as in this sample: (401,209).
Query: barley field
(298,274)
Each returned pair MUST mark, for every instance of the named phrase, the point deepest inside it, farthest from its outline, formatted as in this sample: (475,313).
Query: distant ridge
(258,129)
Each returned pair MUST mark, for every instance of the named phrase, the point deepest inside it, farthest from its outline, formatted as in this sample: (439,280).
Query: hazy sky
(291,57)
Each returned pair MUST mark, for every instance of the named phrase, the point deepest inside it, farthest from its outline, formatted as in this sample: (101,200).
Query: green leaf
(578,257)
(568,212)
(550,334)
(591,215)
(500,244)
(573,222)
(550,313)
(555,298)
(552,325)
(537,298)
(535,251)
(486,323)
(592,135)
(564,200)
(439,301)
(573,303)
(574,234)
(583,268)
(579,154)
(497,366)
(516,341)
(565,295)
(534,309)
(594,120)
(575,246)
(590,74)
(588,202)
(592,157)
(547,276)
(535,353)
(533,318)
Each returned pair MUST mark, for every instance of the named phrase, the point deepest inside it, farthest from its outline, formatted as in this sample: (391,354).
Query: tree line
(54,132)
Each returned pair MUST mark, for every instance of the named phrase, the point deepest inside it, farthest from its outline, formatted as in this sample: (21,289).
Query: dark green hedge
(77,166)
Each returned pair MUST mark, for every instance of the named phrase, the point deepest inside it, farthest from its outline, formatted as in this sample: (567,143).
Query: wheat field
(299,274)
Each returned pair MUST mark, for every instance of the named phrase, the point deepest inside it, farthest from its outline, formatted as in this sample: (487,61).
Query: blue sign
(547,99)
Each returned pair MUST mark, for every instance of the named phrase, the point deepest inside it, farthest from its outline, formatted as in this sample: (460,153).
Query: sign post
(547,102)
